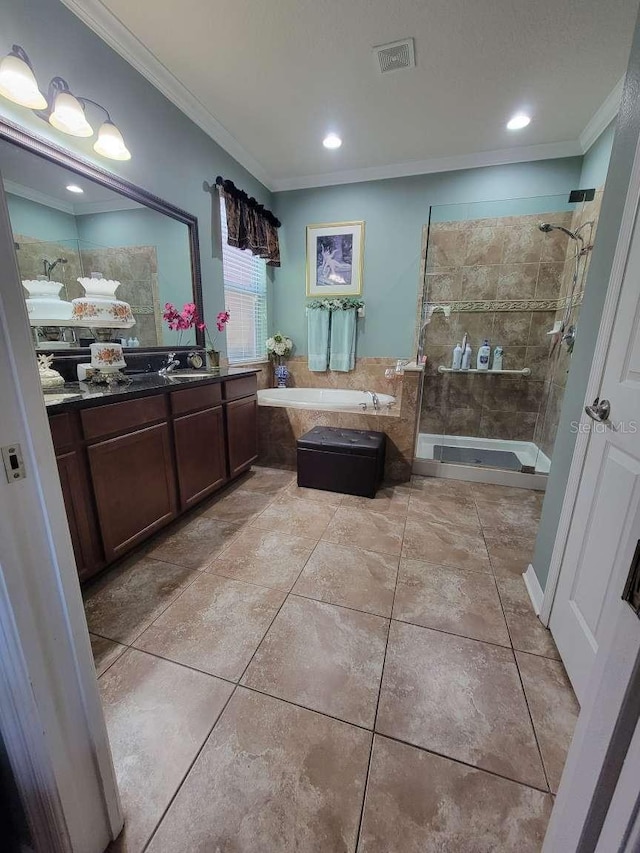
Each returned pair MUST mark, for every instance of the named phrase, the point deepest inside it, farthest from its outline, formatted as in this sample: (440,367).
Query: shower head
(547,227)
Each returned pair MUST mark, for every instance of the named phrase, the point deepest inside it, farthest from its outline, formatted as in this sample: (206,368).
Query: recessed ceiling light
(332,141)
(74,188)
(518,121)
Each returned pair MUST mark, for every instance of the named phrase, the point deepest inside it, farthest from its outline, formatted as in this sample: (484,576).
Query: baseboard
(536,593)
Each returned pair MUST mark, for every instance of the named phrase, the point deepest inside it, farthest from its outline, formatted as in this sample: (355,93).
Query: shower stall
(511,273)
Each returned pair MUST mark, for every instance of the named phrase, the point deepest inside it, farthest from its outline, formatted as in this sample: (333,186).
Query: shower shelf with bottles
(524,371)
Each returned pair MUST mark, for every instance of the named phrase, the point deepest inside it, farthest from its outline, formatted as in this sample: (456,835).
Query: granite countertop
(81,395)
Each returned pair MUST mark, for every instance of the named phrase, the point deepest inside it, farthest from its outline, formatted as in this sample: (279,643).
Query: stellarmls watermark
(623,427)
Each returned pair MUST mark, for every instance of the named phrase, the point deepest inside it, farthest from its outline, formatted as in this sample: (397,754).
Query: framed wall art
(335,255)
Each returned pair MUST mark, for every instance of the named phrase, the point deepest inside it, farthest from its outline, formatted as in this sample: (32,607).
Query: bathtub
(331,399)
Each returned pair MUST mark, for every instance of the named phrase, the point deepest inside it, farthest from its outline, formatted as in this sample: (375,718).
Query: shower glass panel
(491,273)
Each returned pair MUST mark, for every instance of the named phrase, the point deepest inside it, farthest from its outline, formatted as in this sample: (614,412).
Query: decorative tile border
(492,305)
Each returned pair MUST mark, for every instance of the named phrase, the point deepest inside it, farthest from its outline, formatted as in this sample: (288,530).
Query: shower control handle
(599,410)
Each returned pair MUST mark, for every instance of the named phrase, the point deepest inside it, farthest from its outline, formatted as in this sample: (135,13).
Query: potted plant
(213,353)
(279,347)
(181,321)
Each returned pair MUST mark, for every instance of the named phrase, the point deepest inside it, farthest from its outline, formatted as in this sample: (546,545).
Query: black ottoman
(350,461)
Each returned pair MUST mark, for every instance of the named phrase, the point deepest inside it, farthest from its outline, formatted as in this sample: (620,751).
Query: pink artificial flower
(222,319)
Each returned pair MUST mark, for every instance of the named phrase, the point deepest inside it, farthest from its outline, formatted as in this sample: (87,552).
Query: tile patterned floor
(292,670)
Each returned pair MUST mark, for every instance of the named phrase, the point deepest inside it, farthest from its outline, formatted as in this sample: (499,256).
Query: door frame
(51,717)
(625,234)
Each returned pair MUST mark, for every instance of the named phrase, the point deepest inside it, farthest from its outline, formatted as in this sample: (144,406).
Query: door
(78,503)
(134,485)
(242,431)
(199,440)
(605,527)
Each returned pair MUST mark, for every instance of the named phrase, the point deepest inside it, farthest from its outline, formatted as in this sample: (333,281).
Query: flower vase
(213,359)
(281,373)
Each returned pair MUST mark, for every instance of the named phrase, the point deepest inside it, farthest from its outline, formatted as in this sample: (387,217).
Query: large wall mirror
(71,219)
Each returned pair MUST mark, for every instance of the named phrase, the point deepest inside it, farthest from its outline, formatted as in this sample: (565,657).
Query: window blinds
(245,295)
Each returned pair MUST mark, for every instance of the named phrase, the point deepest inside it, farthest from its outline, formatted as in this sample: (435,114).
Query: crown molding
(111,206)
(39,198)
(502,157)
(602,117)
(112,31)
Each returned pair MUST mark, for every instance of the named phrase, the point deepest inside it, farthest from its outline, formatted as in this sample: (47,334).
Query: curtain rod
(230,188)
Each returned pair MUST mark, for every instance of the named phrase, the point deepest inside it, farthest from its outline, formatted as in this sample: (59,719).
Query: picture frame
(335,259)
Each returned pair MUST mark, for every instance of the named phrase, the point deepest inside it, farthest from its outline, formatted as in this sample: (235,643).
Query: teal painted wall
(625,141)
(171,155)
(144,227)
(43,223)
(394,212)
(595,163)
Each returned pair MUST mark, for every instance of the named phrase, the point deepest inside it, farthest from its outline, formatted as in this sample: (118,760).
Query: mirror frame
(23,138)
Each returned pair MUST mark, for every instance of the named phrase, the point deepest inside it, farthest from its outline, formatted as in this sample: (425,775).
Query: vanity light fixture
(74,188)
(62,109)
(18,82)
(518,121)
(332,141)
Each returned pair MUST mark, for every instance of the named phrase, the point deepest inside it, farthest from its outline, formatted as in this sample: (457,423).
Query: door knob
(599,410)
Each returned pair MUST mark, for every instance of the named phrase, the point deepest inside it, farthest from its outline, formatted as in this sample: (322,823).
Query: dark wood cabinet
(200,454)
(128,468)
(242,429)
(134,485)
(78,502)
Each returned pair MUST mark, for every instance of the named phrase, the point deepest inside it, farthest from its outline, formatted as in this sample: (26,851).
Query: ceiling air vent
(393,56)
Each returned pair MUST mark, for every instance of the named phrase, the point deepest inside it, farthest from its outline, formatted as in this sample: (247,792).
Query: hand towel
(318,344)
(343,339)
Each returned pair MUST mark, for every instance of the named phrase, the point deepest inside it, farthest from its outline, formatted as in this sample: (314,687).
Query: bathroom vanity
(133,459)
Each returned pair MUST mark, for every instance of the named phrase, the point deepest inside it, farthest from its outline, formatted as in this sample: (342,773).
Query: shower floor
(482,452)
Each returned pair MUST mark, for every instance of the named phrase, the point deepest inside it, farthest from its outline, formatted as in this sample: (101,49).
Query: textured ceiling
(278,75)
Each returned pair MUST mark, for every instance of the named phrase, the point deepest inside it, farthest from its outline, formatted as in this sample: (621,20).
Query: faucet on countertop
(170,365)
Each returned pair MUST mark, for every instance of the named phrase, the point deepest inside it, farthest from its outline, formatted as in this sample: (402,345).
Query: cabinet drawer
(192,399)
(245,386)
(121,417)
(65,431)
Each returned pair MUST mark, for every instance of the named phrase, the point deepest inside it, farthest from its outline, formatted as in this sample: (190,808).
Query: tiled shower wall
(502,277)
(558,364)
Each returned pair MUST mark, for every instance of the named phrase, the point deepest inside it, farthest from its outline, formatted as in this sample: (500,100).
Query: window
(245,297)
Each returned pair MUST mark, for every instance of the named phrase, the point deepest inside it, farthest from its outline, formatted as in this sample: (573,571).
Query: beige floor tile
(455,510)
(272,778)
(438,486)
(216,626)
(324,657)
(361,528)
(460,698)
(351,577)
(445,545)
(105,652)
(238,506)
(158,716)
(528,634)
(454,600)
(296,516)
(421,803)
(269,481)
(127,600)
(392,500)
(320,495)
(505,510)
(554,709)
(509,555)
(194,543)
(265,557)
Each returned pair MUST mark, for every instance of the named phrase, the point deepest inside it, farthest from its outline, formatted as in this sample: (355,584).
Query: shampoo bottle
(484,352)
(466,358)
(457,357)
(497,359)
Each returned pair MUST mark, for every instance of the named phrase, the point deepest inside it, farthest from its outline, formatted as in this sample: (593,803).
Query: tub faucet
(170,365)
(374,399)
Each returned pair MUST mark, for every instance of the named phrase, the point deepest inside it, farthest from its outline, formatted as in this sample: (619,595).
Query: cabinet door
(242,430)
(83,524)
(199,442)
(134,486)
